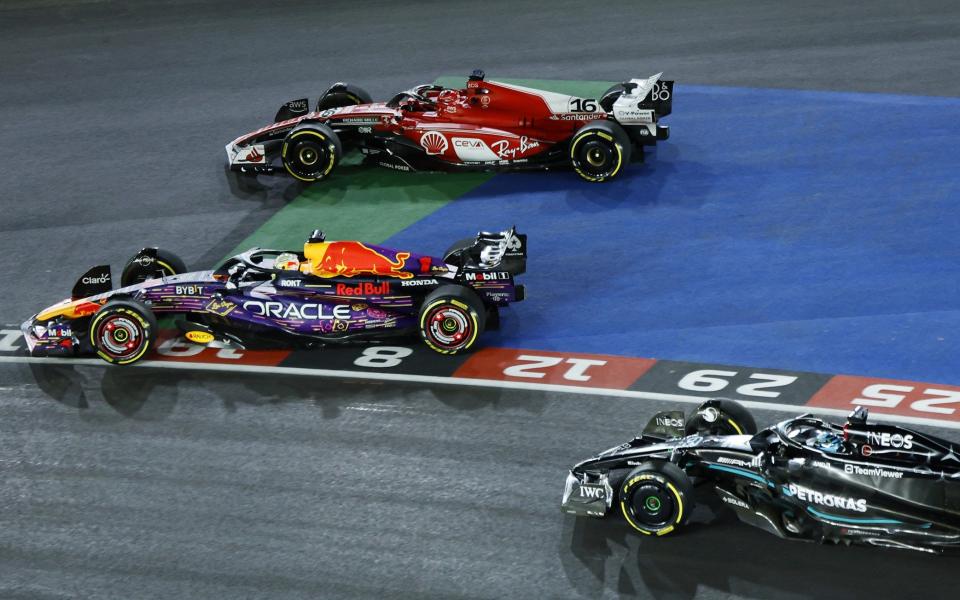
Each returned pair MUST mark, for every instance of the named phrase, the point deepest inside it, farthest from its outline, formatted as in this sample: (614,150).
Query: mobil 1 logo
(740,383)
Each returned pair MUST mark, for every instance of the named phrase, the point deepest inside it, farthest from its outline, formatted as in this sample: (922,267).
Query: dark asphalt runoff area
(132,483)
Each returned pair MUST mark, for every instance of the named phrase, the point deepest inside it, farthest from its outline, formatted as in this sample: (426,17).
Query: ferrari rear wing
(647,94)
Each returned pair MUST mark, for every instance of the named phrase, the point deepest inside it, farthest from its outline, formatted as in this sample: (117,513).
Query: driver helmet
(448,96)
(828,442)
(287,261)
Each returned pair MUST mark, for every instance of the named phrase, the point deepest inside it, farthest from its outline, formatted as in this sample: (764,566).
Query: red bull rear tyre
(451,319)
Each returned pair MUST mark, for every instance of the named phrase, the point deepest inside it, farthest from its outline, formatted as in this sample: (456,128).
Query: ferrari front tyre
(720,416)
(656,498)
(123,331)
(140,268)
(311,151)
(344,95)
(600,150)
(451,319)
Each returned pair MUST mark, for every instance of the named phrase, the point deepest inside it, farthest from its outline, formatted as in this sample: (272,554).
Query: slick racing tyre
(720,416)
(122,331)
(656,498)
(311,151)
(600,150)
(451,319)
(343,95)
(143,266)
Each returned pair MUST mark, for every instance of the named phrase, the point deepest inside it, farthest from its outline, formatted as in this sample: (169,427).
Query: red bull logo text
(363,289)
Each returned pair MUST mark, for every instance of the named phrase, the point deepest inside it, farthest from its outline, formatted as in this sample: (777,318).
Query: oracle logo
(434,143)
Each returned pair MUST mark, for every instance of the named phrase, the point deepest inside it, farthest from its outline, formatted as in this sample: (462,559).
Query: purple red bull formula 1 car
(332,292)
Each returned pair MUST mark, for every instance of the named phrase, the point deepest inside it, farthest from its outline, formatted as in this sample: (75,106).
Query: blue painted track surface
(801,230)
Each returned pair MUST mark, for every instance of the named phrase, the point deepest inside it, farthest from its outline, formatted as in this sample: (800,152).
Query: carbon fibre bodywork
(884,486)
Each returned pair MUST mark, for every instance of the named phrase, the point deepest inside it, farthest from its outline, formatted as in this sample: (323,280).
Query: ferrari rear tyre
(451,319)
(311,151)
(139,268)
(123,331)
(656,498)
(344,95)
(600,150)
(720,416)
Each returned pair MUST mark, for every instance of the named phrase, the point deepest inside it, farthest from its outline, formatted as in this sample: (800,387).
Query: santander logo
(434,142)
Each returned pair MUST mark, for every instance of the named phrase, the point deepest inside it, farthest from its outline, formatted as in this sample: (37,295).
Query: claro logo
(94,280)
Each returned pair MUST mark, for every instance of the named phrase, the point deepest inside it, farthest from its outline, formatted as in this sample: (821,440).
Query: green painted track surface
(362,203)
(371,203)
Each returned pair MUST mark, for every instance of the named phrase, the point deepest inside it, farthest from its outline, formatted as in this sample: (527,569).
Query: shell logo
(434,142)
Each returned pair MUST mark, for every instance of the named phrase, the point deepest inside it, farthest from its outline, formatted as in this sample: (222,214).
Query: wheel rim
(652,506)
(120,336)
(449,327)
(597,157)
(308,156)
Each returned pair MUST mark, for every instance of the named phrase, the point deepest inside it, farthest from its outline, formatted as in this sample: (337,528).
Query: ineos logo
(895,440)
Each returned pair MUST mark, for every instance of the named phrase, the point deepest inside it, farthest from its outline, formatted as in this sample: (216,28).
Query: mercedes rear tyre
(451,319)
(600,150)
(311,151)
(720,416)
(123,331)
(143,267)
(656,498)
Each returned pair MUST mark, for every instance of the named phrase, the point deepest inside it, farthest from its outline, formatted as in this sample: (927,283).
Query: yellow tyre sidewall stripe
(661,480)
(735,426)
(585,135)
(458,304)
(146,334)
(330,151)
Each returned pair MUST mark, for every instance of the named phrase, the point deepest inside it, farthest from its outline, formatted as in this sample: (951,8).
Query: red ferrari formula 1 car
(485,126)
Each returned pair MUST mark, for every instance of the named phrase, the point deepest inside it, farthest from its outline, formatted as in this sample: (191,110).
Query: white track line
(469,382)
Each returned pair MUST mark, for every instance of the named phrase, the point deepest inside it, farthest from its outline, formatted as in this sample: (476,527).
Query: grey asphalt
(126,483)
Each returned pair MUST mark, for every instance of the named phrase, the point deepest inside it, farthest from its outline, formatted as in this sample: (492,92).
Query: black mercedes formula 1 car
(804,478)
